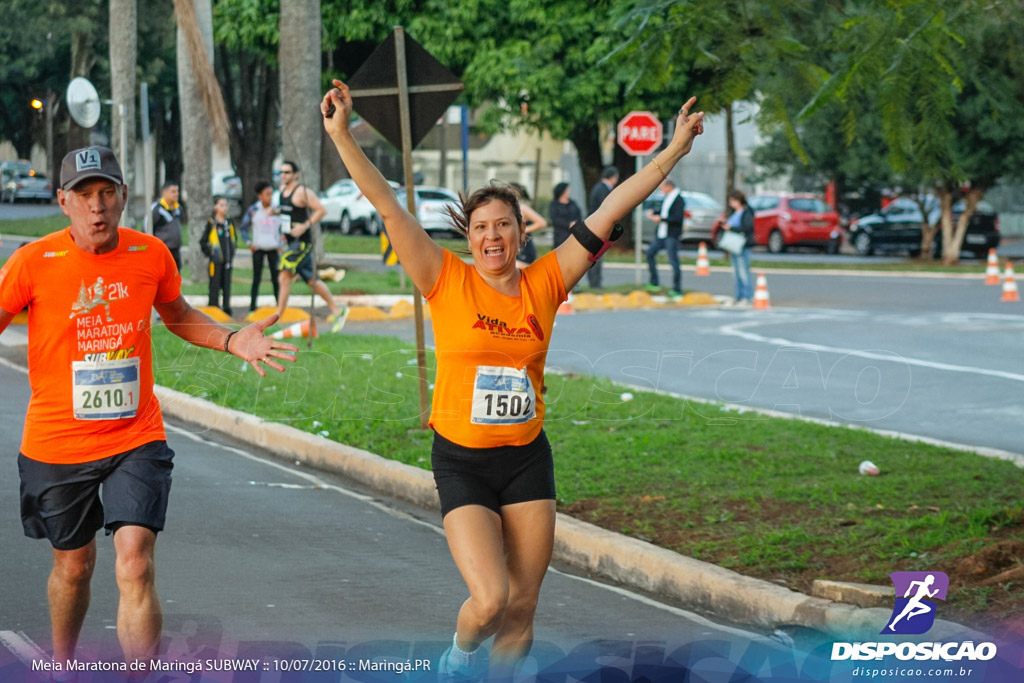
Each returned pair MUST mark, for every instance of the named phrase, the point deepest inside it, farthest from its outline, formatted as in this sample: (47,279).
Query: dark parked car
(897,227)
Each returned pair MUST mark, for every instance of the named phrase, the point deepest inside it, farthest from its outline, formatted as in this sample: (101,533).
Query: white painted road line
(737,330)
(22,647)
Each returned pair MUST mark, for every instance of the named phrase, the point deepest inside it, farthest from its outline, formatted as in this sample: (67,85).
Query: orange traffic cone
(1009,285)
(761,300)
(703,267)
(565,308)
(992,269)
(295,330)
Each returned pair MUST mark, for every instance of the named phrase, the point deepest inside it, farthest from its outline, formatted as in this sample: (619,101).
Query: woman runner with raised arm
(492,326)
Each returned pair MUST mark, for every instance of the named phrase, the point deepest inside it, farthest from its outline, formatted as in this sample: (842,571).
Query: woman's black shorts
(492,477)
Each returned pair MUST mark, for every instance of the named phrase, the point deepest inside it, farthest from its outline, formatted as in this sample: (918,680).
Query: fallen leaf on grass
(651,499)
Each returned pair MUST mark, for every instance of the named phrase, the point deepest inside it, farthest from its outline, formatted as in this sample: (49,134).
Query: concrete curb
(694,584)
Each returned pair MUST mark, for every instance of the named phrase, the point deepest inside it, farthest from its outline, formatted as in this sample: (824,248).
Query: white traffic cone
(761,300)
(703,267)
(992,268)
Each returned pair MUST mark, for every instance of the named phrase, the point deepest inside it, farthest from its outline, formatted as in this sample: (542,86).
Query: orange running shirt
(96,309)
(488,344)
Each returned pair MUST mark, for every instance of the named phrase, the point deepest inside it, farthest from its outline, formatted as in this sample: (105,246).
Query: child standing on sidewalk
(218,243)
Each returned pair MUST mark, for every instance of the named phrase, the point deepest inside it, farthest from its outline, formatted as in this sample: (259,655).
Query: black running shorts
(492,477)
(63,503)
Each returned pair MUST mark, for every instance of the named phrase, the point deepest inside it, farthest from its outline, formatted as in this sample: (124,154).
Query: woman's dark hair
(559,189)
(262,185)
(739,196)
(521,191)
(502,192)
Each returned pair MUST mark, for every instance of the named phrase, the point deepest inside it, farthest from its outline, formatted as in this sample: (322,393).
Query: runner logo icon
(914,612)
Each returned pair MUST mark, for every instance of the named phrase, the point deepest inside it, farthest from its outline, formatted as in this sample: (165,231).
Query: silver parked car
(348,209)
(431,207)
(25,185)
(702,213)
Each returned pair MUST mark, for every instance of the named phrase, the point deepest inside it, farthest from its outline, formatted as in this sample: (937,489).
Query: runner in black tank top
(296,215)
(297,259)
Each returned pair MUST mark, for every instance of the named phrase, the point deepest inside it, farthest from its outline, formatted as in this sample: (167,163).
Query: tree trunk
(196,141)
(301,124)
(82,60)
(586,139)
(249,85)
(730,155)
(123,49)
(928,230)
(946,220)
(951,248)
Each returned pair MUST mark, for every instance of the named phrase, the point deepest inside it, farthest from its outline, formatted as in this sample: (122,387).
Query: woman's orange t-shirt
(488,344)
(90,312)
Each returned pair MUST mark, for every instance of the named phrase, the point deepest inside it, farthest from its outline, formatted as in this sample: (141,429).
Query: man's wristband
(227,340)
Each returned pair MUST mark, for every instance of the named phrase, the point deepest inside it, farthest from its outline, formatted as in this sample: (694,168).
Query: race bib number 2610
(105,390)
(502,396)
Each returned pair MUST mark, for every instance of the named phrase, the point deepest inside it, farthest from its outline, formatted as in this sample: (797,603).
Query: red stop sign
(639,132)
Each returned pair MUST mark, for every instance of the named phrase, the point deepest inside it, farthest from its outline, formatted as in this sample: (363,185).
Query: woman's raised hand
(688,126)
(336,108)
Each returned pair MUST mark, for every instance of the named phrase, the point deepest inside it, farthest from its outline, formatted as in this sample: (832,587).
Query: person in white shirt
(670,231)
(261,230)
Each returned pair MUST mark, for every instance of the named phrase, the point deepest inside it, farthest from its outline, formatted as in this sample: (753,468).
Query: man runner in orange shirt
(93,420)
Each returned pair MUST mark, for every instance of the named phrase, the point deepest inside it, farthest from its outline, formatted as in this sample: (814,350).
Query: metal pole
(51,102)
(465,148)
(443,144)
(536,177)
(638,229)
(144,114)
(410,202)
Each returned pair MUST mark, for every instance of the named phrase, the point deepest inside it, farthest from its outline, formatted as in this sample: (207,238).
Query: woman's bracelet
(227,340)
(658,166)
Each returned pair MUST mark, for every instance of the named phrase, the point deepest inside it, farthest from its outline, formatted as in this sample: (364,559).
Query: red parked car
(784,220)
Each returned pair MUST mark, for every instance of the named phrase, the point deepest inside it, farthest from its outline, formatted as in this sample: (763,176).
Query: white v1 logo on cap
(87,160)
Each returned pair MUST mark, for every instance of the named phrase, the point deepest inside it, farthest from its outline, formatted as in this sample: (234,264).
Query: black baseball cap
(89,162)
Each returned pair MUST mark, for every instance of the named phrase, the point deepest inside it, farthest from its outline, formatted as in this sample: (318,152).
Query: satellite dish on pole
(83,102)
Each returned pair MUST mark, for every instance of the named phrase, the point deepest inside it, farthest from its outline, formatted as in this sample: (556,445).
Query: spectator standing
(261,230)
(563,212)
(533,222)
(742,220)
(219,243)
(166,217)
(609,178)
(670,231)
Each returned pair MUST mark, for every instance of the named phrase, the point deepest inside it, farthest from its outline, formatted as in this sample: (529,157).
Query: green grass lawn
(34,227)
(775,498)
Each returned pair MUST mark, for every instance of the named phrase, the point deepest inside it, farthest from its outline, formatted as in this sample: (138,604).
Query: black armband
(591,242)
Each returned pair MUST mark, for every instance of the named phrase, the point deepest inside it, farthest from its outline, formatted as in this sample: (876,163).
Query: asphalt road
(263,556)
(22,210)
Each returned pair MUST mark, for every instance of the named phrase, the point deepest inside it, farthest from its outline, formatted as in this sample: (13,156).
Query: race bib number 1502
(502,396)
